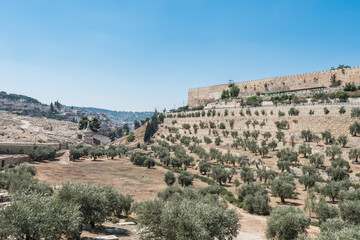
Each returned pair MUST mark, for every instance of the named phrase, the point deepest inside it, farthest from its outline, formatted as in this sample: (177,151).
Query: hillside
(28,106)
(120,117)
(239,137)
(22,129)
(18,97)
(139,137)
(259,120)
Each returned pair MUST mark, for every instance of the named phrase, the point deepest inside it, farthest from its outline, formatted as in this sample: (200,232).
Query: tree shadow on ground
(294,204)
(44,161)
(101,230)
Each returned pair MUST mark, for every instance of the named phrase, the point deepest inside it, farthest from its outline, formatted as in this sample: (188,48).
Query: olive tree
(309,176)
(287,155)
(34,216)
(336,228)
(204,166)
(138,158)
(283,187)
(97,152)
(202,217)
(280,136)
(354,154)
(305,149)
(149,162)
(267,135)
(333,188)
(219,174)
(255,198)
(169,178)
(247,175)
(265,174)
(284,165)
(306,135)
(324,211)
(333,151)
(350,211)
(185,179)
(96,202)
(112,151)
(326,135)
(343,140)
(336,173)
(272,145)
(354,129)
(317,159)
(286,223)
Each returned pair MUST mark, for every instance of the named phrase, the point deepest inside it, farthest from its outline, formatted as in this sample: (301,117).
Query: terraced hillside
(238,121)
(316,144)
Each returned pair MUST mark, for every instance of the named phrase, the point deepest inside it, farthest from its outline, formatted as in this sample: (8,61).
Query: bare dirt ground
(141,182)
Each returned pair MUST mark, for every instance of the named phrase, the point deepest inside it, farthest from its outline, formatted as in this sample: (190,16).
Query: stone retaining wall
(7,161)
(16,147)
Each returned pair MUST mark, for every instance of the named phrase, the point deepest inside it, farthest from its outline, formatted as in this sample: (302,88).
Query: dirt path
(252,226)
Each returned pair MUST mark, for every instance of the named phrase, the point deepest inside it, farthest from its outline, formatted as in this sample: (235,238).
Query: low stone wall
(11,160)
(8,161)
(19,148)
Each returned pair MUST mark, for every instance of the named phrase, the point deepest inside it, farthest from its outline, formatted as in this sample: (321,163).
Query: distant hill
(120,117)
(17,97)
(25,105)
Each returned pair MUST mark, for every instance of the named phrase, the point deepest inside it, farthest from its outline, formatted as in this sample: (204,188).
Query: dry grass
(141,182)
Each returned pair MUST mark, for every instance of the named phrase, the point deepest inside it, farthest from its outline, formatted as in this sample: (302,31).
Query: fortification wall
(199,96)
(15,148)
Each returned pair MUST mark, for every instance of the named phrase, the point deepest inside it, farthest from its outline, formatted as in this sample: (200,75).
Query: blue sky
(140,55)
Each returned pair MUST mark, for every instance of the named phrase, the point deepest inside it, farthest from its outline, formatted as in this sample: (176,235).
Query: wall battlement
(199,96)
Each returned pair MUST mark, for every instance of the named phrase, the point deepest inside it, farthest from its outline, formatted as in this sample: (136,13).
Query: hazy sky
(138,55)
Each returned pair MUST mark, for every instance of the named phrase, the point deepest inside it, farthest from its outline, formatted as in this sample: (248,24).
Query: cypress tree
(151,127)
(51,107)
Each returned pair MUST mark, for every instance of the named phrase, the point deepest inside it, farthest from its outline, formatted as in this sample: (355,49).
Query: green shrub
(131,137)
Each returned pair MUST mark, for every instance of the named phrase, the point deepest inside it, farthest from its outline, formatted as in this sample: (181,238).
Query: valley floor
(140,182)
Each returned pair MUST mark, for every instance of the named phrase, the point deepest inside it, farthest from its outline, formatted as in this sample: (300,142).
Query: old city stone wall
(200,96)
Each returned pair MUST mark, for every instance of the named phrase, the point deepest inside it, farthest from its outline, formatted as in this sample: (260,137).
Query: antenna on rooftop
(231,83)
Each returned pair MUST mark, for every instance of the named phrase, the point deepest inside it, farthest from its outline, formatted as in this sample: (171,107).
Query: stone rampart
(200,96)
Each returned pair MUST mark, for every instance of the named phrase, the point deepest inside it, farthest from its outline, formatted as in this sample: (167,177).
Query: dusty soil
(141,182)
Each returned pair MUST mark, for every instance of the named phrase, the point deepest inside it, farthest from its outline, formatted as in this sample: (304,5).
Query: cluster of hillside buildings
(22,107)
